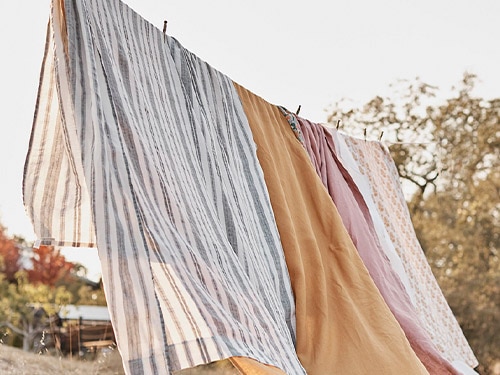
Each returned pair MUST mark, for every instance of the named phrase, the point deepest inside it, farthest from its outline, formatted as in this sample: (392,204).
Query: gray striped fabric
(140,147)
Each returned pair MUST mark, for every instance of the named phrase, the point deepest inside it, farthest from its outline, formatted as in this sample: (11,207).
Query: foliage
(48,266)
(10,256)
(29,297)
(83,291)
(25,307)
(448,155)
(91,296)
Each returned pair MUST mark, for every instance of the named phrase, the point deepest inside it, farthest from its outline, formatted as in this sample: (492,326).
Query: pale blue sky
(310,53)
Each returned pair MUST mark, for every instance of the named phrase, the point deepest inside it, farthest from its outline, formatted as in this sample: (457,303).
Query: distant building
(86,313)
(83,329)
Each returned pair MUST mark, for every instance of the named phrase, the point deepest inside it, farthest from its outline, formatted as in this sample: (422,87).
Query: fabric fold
(376,163)
(55,193)
(363,184)
(232,366)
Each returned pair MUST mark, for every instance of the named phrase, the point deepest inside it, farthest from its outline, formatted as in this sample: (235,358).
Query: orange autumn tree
(48,266)
(9,256)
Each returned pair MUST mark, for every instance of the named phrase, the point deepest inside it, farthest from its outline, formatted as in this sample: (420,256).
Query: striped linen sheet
(143,150)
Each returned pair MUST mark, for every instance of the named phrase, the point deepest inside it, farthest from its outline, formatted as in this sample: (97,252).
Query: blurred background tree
(448,157)
(48,266)
(10,256)
(25,308)
(34,285)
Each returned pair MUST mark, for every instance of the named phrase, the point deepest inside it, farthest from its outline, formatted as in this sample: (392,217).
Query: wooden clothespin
(165,30)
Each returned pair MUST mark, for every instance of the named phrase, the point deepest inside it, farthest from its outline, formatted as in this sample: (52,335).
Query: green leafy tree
(448,156)
(91,296)
(29,297)
(25,307)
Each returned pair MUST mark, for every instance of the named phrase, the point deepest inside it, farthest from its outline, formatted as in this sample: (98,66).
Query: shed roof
(85,312)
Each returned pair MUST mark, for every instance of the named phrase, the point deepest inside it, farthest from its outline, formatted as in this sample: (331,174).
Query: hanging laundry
(232,366)
(222,367)
(376,163)
(362,183)
(142,149)
(343,324)
(218,254)
(358,222)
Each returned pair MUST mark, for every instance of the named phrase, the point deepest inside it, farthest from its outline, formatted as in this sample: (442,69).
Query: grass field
(14,361)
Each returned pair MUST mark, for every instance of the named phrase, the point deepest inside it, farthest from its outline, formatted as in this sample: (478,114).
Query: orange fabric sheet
(249,366)
(233,366)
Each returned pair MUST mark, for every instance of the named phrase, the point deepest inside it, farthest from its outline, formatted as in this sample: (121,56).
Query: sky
(309,53)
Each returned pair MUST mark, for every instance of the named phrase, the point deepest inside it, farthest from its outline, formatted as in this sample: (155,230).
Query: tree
(25,308)
(90,296)
(83,290)
(9,256)
(448,156)
(48,266)
(30,297)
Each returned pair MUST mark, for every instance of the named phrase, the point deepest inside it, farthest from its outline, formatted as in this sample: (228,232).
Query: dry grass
(14,361)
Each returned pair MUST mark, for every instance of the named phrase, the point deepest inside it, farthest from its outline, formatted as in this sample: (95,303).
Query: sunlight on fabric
(189,326)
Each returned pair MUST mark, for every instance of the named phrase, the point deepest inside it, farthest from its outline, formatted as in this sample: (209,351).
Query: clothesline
(338,128)
(329,126)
